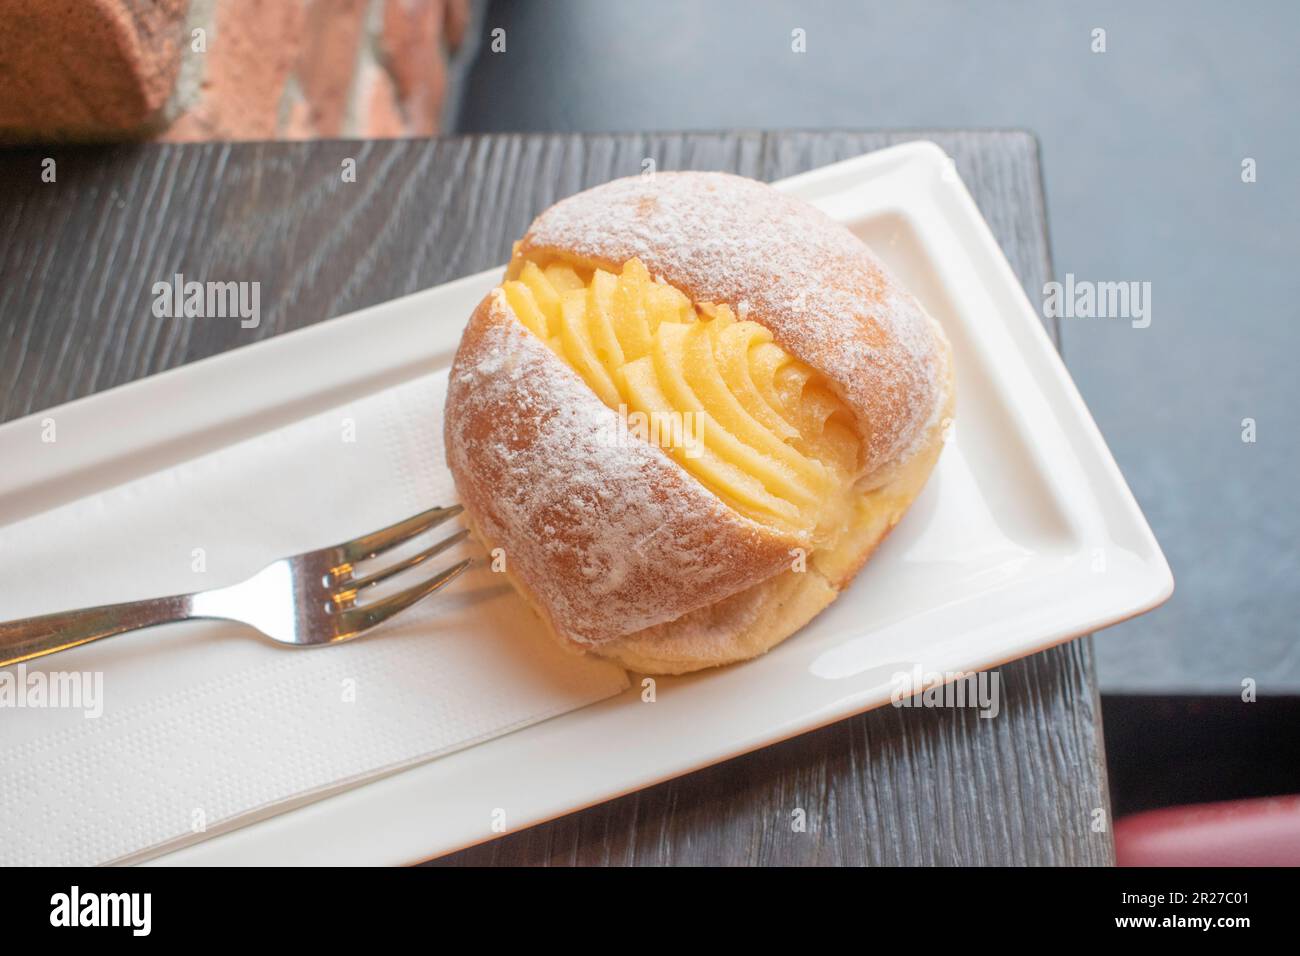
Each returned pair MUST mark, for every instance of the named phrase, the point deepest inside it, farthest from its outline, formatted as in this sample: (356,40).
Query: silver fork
(307,600)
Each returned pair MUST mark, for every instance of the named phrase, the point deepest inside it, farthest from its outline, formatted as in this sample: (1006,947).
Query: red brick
(298,124)
(87,68)
(455,22)
(108,69)
(382,117)
(330,40)
(412,42)
(251,50)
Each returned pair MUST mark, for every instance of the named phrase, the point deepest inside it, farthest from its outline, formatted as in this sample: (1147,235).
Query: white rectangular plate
(1025,537)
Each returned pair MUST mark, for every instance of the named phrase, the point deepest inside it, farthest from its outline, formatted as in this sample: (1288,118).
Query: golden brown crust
(757,619)
(604,533)
(620,550)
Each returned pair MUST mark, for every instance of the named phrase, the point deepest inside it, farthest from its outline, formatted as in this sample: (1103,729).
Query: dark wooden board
(78,260)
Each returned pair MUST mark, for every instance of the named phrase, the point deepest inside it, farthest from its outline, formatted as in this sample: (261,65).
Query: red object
(1263,832)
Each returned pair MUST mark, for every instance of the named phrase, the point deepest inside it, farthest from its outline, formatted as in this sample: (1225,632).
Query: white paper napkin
(205,726)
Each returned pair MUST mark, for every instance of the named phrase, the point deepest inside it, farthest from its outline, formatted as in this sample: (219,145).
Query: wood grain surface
(78,260)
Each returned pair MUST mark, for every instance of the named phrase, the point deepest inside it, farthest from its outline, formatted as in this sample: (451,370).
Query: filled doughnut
(688,415)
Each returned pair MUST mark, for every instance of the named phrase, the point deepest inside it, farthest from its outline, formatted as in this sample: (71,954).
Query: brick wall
(225,69)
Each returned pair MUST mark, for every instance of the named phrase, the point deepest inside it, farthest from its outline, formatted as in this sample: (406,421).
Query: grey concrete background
(1142,149)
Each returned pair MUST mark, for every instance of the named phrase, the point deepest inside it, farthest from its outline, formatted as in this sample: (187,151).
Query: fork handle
(37,636)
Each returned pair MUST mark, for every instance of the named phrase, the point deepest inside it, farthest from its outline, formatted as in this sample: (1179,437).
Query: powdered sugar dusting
(611,536)
(816,286)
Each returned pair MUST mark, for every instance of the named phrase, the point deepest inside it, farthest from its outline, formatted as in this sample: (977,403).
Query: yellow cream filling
(761,429)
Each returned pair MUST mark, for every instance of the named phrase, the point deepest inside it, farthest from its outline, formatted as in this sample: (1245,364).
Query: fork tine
(369,545)
(351,587)
(357,619)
